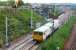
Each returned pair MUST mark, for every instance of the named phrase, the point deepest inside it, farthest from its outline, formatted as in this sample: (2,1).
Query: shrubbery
(18,22)
(58,38)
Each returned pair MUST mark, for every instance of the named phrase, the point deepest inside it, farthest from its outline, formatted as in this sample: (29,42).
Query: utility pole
(48,13)
(54,10)
(6,22)
(31,22)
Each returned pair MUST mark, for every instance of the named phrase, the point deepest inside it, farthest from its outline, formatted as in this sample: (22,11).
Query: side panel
(47,33)
(56,23)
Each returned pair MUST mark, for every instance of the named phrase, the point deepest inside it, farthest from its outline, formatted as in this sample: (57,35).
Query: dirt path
(71,42)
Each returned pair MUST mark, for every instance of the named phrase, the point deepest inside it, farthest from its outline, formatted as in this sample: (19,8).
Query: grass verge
(58,38)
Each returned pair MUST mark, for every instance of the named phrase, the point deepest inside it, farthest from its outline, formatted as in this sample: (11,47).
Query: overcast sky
(47,1)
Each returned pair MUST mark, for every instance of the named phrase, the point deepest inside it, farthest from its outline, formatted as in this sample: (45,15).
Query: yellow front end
(38,38)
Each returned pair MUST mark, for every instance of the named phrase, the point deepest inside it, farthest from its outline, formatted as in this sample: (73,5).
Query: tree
(15,3)
(11,2)
(55,11)
(18,3)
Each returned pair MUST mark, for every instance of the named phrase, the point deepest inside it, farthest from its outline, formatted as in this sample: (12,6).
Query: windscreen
(38,33)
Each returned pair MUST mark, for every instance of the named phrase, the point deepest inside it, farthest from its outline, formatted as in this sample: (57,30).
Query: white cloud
(47,1)
(3,0)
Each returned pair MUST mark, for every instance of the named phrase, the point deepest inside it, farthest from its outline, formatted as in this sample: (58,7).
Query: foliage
(58,38)
(55,11)
(18,22)
(10,3)
(7,3)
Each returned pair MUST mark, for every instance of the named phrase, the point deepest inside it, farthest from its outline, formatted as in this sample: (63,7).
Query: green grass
(58,38)
(19,23)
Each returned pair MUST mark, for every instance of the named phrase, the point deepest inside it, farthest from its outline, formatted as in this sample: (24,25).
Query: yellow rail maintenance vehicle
(40,34)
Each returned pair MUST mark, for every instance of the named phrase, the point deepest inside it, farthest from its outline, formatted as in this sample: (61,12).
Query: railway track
(26,44)
(29,45)
(34,47)
(21,45)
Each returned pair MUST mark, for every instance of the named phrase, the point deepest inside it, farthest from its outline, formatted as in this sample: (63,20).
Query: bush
(58,38)
(18,22)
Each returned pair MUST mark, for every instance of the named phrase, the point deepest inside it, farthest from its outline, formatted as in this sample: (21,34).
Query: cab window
(35,33)
(40,33)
